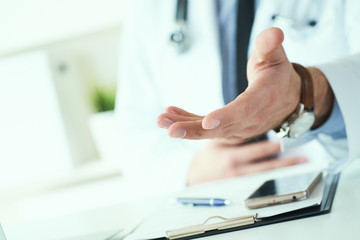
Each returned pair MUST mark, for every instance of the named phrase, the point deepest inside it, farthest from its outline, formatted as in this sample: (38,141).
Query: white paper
(173,216)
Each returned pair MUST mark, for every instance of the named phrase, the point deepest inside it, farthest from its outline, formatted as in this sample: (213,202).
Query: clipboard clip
(202,228)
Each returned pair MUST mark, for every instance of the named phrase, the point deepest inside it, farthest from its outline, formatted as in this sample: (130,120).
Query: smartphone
(284,190)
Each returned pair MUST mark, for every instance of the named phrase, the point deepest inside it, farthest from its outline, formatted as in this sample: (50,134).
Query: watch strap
(306,103)
(307,88)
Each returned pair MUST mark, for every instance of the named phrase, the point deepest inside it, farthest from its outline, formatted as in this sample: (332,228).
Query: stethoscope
(180,39)
(295,22)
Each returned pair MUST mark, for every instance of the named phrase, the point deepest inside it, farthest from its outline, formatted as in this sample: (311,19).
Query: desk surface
(101,223)
(341,222)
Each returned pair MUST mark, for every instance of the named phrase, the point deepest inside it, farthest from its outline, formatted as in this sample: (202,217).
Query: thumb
(268,49)
(268,45)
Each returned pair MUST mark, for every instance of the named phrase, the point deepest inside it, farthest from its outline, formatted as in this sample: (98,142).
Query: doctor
(276,98)
(193,80)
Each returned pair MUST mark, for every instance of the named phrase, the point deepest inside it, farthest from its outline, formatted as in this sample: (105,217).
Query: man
(274,89)
(272,96)
(154,76)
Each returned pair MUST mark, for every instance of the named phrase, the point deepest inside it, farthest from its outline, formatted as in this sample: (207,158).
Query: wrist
(302,118)
(315,105)
(323,97)
(296,80)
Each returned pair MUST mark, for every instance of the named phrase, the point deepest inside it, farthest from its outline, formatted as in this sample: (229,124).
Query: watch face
(302,124)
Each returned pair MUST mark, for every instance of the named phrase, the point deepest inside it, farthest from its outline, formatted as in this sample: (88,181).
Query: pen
(207,202)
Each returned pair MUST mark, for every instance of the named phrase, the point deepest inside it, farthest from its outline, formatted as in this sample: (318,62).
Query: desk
(98,223)
(342,222)
(93,224)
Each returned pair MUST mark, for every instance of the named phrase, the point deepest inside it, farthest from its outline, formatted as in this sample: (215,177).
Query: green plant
(104,98)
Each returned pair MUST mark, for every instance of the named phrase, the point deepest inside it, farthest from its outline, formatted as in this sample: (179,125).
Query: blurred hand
(218,161)
(273,94)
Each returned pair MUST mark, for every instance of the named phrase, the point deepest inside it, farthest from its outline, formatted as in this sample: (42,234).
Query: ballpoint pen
(207,202)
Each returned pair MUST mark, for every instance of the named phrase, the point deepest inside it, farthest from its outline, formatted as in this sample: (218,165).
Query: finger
(256,151)
(165,120)
(269,165)
(179,111)
(268,45)
(190,130)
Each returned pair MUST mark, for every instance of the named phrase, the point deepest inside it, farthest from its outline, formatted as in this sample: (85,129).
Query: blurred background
(58,75)
(59,64)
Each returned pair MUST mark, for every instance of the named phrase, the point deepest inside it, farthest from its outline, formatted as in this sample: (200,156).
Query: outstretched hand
(273,93)
(218,161)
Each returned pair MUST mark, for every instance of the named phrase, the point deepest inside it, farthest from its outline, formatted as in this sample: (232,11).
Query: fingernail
(173,112)
(166,122)
(179,133)
(211,124)
(301,160)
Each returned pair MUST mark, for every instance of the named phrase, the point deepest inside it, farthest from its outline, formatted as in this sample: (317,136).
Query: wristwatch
(303,118)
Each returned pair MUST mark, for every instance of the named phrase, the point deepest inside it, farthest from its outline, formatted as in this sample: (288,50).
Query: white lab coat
(153,76)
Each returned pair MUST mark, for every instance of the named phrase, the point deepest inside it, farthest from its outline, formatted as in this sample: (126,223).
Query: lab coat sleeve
(149,157)
(352,21)
(344,78)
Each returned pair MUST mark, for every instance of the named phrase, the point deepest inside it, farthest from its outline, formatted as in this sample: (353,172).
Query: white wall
(33,144)
(26,24)
(44,111)
(78,66)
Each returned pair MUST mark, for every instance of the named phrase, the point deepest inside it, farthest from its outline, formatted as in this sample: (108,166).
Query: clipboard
(236,224)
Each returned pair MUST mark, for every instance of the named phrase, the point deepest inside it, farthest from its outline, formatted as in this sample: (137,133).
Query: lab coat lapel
(195,74)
